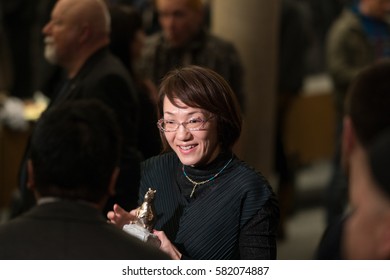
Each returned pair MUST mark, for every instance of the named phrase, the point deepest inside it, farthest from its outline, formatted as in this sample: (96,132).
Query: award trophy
(142,227)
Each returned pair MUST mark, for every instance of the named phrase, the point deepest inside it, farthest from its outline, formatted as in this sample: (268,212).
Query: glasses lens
(167,125)
(195,124)
(170,125)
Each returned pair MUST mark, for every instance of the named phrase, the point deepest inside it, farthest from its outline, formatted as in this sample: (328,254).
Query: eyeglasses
(191,125)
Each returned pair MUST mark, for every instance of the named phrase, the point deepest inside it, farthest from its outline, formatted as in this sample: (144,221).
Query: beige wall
(252,26)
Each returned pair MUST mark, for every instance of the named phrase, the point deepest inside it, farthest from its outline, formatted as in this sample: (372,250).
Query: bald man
(77,38)
(184,40)
(77,29)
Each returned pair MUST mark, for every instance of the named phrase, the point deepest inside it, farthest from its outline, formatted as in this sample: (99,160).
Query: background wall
(252,25)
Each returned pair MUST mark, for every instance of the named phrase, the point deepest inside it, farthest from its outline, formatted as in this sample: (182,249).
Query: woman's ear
(30,175)
(114,177)
(348,142)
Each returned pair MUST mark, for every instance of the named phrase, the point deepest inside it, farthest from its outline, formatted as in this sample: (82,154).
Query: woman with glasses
(209,204)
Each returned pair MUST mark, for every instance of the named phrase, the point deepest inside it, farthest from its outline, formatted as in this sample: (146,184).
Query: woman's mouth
(187,148)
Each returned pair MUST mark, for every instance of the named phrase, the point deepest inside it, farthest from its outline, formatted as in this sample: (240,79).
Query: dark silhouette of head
(75,152)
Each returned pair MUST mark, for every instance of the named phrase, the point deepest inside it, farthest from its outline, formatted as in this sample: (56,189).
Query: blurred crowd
(149,38)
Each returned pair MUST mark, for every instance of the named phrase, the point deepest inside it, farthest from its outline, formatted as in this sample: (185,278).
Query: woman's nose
(182,132)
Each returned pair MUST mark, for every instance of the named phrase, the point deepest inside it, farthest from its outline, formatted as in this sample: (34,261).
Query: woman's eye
(194,121)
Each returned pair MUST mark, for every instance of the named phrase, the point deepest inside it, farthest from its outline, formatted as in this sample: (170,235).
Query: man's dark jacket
(105,78)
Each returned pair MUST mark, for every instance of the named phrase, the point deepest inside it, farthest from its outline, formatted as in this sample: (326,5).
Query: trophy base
(142,233)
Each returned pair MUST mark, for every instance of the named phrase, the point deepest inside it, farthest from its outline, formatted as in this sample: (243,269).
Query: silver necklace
(196,184)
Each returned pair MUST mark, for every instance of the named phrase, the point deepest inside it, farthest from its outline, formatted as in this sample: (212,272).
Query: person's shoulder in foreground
(363,234)
(72,170)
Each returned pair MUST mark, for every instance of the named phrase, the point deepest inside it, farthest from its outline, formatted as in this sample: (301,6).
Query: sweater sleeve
(258,236)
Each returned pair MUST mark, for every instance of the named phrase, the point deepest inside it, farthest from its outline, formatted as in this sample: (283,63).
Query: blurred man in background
(185,40)
(359,37)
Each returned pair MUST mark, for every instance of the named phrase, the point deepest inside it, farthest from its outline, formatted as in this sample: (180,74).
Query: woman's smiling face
(192,147)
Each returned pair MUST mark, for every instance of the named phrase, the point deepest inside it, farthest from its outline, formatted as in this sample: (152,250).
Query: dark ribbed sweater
(234,216)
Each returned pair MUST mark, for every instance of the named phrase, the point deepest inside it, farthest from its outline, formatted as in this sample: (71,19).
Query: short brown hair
(203,88)
(368,101)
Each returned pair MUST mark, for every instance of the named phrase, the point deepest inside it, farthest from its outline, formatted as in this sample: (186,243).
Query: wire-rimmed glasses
(191,125)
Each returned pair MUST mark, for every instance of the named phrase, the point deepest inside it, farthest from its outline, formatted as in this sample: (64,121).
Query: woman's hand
(166,245)
(120,216)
